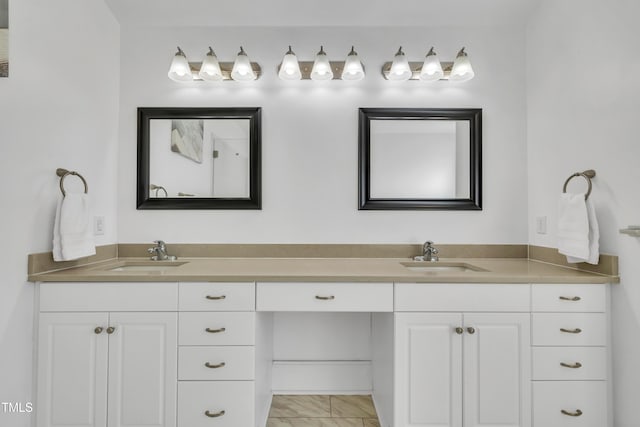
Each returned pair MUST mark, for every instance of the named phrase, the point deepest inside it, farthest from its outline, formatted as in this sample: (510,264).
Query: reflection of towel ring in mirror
(588,174)
(157,188)
(62,173)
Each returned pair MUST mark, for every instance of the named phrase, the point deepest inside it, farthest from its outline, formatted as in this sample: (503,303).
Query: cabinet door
(497,366)
(72,370)
(428,370)
(142,369)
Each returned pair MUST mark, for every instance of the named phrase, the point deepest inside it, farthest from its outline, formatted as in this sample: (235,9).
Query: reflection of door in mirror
(200,158)
(419,159)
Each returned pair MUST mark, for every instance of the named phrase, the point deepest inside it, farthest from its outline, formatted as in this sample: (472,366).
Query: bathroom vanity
(480,343)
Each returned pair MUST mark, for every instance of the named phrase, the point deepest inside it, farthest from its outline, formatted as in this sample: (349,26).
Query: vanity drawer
(117,296)
(235,398)
(568,298)
(216,363)
(217,297)
(550,398)
(580,363)
(569,329)
(216,328)
(462,297)
(353,297)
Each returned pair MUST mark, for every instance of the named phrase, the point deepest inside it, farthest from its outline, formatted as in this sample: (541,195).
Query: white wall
(583,110)
(58,108)
(310,133)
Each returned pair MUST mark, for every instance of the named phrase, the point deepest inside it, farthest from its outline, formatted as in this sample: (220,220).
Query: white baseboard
(322,377)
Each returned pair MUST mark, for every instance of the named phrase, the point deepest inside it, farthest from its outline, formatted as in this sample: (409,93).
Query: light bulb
(462,70)
(431,68)
(400,69)
(290,68)
(180,71)
(242,70)
(353,69)
(210,68)
(321,67)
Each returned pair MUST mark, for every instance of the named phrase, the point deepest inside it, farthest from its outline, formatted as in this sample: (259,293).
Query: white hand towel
(577,229)
(594,238)
(57,247)
(72,230)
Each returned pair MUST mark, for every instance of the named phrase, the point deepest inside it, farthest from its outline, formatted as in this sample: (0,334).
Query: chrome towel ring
(588,174)
(62,173)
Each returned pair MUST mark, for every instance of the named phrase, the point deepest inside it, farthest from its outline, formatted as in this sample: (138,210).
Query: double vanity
(194,342)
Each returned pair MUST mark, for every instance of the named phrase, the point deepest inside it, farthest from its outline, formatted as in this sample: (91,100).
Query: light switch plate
(98,225)
(541,225)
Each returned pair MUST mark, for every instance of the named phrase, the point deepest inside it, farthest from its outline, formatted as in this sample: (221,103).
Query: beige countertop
(492,270)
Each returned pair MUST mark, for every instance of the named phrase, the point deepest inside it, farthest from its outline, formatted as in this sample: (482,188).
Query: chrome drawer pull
(215,331)
(570,298)
(571,331)
(459,330)
(572,414)
(216,298)
(330,297)
(572,366)
(216,366)
(214,414)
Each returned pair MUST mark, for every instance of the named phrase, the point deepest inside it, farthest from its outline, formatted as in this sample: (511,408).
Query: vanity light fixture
(180,71)
(242,70)
(289,68)
(431,69)
(353,68)
(400,69)
(321,67)
(210,68)
(462,69)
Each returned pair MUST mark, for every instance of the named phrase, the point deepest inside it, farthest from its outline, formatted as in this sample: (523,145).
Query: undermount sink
(151,266)
(440,267)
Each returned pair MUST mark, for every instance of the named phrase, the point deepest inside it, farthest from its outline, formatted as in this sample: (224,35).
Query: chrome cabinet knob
(471,330)
(98,330)
(459,330)
(111,329)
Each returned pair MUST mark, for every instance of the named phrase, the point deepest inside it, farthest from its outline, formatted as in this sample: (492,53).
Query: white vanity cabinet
(570,355)
(107,355)
(467,364)
(216,373)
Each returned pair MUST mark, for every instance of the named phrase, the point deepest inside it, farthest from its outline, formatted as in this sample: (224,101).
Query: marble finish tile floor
(322,411)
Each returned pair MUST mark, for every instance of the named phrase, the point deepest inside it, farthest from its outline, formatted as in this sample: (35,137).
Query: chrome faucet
(160,251)
(429,252)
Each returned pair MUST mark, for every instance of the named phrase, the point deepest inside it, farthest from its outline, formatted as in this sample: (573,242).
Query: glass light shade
(321,67)
(180,71)
(290,68)
(400,69)
(210,68)
(431,68)
(461,70)
(353,69)
(242,70)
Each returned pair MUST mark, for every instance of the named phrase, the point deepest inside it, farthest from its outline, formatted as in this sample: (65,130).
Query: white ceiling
(279,13)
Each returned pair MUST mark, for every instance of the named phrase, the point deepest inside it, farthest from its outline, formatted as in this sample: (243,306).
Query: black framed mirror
(199,158)
(420,158)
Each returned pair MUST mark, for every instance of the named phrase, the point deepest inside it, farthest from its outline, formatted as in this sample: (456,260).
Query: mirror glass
(198,158)
(420,159)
